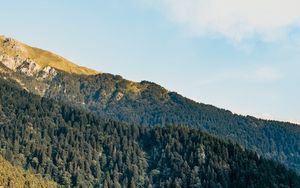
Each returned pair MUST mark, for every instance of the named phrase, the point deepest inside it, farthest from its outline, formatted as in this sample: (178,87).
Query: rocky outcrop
(10,58)
(48,72)
(10,62)
(17,50)
(13,45)
(27,67)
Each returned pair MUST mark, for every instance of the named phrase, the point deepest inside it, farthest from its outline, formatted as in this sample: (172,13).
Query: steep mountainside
(14,51)
(147,103)
(78,149)
(11,176)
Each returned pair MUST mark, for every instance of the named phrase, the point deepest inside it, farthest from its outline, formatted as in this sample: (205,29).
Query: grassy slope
(42,57)
(11,176)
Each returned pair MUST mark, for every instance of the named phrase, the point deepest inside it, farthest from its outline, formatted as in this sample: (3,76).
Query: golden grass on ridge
(41,57)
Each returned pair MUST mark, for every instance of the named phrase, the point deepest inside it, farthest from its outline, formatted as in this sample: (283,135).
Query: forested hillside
(12,177)
(145,103)
(77,148)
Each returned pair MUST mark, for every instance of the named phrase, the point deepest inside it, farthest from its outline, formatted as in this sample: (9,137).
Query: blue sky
(244,57)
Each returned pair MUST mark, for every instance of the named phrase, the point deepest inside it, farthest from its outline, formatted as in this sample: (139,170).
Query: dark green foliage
(191,158)
(154,105)
(76,148)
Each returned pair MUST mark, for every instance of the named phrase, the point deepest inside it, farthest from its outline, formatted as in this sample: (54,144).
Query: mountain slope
(10,48)
(108,96)
(147,103)
(11,176)
(78,149)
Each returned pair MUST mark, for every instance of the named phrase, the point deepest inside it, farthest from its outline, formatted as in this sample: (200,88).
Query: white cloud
(268,116)
(266,74)
(246,74)
(235,19)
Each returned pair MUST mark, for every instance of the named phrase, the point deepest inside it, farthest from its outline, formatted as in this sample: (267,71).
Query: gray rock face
(27,67)
(23,65)
(9,62)
(48,72)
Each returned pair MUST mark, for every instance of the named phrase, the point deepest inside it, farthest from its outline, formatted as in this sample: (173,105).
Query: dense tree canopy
(77,148)
(147,103)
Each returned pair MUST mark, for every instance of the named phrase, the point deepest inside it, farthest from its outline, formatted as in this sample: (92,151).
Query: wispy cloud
(268,116)
(265,74)
(258,75)
(236,20)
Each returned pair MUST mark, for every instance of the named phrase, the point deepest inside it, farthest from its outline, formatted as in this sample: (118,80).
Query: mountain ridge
(133,86)
(43,58)
(147,103)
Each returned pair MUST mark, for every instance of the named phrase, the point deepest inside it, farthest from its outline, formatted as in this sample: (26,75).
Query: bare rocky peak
(43,58)
(12,56)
